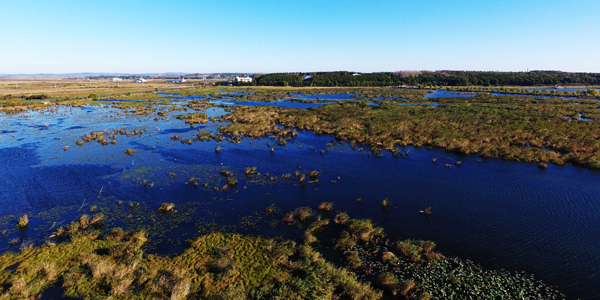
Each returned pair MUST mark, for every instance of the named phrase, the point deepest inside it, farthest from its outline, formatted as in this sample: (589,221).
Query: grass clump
(23,222)
(271,209)
(326,206)
(385,202)
(341,218)
(388,281)
(389,257)
(358,232)
(363,231)
(97,219)
(418,250)
(301,214)
(231,181)
(309,234)
(167,208)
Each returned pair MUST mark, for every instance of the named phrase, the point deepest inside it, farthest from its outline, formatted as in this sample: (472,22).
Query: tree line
(425,78)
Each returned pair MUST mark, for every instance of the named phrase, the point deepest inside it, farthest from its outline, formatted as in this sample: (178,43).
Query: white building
(243,79)
(181,80)
(117,79)
(139,80)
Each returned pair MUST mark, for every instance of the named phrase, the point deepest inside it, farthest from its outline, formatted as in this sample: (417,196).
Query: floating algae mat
(235,229)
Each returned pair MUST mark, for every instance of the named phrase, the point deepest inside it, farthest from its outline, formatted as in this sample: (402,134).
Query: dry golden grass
(59,87)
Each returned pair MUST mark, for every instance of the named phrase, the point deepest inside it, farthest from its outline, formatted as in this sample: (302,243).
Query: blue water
(328,97)
(274,103)
(451,94)
(584,119)
(499,213)
(132,101)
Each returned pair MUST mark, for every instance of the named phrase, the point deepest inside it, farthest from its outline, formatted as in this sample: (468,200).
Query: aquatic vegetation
(116,266)
(22,222)
(491,126)
(363,230)
(385,202)
(84,221)
(358,232)
(326,206)
(415,271)
(407,286)
(271,209)
(193,181)
(309,235)
(97,219)
(388,281)
(389,257)
(194,118)
(341,218)
(167,208)
(231,181)
(301,214)
(129,151)
(418,251)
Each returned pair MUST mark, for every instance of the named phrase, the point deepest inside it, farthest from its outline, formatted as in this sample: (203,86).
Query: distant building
(180,80)
(306,77)
(243,79)
(117,79)
(139,80)
(356,74)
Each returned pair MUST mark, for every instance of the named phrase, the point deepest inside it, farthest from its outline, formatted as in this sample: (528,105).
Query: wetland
(302,193)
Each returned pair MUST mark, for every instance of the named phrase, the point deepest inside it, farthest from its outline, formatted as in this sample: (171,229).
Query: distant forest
(416,78)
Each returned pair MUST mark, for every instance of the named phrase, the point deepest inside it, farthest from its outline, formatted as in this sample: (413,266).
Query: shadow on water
(27,185)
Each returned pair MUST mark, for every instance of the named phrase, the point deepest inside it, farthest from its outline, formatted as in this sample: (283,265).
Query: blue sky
(147,36)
